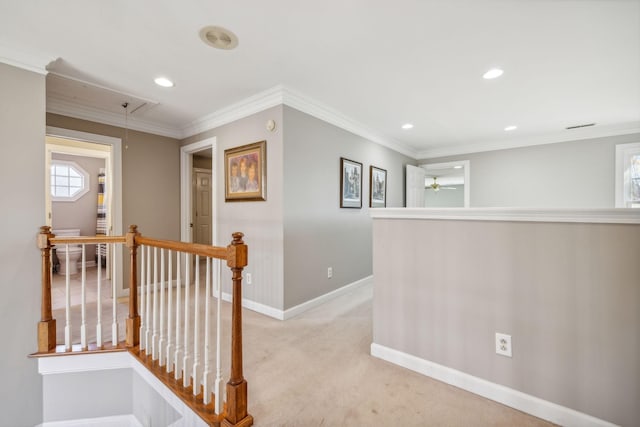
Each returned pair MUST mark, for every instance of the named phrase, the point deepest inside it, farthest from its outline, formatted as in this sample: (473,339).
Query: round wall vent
(219,37)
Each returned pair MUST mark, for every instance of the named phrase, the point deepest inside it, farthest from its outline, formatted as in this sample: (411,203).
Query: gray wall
(568,294)
(445,198)
(22,129)
(261,222)
(90,394)
(576,174)
(318,233)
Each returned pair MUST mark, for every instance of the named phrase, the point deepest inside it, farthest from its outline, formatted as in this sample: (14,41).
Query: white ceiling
(373,64)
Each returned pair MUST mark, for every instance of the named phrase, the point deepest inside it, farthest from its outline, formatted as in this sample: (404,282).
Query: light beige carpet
(316,370)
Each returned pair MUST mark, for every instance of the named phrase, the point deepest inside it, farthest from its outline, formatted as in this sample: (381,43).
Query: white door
(202,212)
(415,187)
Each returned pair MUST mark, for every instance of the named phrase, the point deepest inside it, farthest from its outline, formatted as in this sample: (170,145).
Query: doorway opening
(103,156)
(198,192)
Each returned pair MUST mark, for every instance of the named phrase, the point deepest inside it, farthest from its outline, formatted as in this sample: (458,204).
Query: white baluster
(67,326)
(154,338)
(147,332)
(99,303)
(186,362)
(142,299)
(178,354)
(114,287)
(170,315)
(219,384)
(161,340)
(196,331)
(83,302)
(206,377)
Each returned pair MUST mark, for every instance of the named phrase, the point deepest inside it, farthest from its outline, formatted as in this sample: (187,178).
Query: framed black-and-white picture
(350,183)
(377,187)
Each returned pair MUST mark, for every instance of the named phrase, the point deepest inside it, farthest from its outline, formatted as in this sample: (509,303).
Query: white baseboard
(114,421)
(308,305)
(301,308)
(524,402)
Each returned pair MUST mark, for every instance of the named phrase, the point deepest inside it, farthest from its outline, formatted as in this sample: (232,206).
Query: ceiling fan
(437,187)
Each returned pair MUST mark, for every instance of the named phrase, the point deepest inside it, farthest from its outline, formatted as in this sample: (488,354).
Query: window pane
(73,172)
(62,170)
(62,181)
(62,191)
(75,182)
(74,190)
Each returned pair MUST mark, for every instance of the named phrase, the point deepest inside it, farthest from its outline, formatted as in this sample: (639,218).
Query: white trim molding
(541,408)
(300,308)
(113,421)
(599,216)
(36,63)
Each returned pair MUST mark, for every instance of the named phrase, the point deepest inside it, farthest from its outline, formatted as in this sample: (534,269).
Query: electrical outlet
(329,273)
(503,344)
(248,278)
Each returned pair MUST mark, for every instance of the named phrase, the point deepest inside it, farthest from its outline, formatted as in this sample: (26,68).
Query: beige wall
(261,222)
(22,129)
(567,293)
(150,178)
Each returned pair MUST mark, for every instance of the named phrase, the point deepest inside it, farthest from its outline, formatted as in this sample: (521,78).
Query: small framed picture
(245,173)
(350,183)
(377,187)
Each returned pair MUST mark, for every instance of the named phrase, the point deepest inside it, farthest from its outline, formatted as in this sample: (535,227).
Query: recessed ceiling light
(458,167)
(510,128)
(407,126)
(164,82)
(493,73)
(219,37)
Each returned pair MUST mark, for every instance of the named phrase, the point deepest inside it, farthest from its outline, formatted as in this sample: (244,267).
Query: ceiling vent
(219,37)
(580,126)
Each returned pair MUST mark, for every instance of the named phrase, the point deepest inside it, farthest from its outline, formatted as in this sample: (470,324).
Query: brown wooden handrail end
(46,335)
(236,414)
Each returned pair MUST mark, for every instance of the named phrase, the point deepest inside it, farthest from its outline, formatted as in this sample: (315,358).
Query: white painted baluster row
(68,329)
(171,328)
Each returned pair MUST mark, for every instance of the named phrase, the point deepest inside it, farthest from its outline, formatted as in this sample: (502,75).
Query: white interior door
(415,187)
(202,212)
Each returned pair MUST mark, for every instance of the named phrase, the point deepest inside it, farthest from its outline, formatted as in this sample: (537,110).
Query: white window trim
(623,151)
(87,181)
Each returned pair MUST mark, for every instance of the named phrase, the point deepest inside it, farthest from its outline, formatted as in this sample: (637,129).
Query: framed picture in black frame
(350,183)
(377,187)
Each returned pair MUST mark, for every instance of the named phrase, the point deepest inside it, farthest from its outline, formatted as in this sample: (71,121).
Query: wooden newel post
(236,408)
(133,321)
(47,324)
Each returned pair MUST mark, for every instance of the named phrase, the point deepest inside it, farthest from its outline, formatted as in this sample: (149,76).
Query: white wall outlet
(503,344)
(248,278)
(329,273)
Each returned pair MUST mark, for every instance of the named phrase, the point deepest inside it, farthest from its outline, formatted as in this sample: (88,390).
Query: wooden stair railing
(234,412)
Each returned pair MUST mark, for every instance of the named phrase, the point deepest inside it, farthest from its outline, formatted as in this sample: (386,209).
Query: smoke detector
(219,37)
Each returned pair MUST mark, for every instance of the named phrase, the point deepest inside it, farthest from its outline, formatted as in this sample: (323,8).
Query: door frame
(186,197)
(113,165)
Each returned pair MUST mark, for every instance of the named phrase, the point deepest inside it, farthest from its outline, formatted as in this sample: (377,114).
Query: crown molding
(57,106)
(239,110)
(566,136)
(280,94)
(36,63)
(325,113)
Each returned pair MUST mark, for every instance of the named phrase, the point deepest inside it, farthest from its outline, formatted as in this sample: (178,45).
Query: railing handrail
(76,240)
(236,256)
(191,248)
